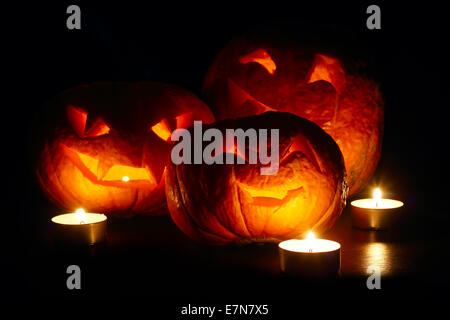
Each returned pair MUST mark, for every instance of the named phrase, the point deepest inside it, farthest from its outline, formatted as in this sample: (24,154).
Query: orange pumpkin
(109,153)
(255,74)
(222,203)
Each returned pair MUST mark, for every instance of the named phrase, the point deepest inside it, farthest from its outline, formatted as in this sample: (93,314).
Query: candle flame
(81,216)
(310,236)
(125,178)
(310,240)
(377,196)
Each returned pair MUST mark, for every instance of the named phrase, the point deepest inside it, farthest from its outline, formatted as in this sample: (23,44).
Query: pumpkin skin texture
(223,203)
(255,74)
(109,150)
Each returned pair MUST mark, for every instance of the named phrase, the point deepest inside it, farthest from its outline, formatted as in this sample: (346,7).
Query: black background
(176,43)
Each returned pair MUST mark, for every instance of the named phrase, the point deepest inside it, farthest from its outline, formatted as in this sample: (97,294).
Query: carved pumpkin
(255,74)
(222,203)
(109,152)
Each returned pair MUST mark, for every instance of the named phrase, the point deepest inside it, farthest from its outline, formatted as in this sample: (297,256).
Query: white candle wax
(308,246)
(80,228)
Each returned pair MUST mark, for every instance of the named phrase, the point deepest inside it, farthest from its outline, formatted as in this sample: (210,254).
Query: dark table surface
(150,256)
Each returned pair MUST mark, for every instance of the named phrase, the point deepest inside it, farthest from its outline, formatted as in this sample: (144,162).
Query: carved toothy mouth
(270,198)
(117,175)
(276,197)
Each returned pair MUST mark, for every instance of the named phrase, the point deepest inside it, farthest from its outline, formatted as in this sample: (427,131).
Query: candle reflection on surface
(378,254)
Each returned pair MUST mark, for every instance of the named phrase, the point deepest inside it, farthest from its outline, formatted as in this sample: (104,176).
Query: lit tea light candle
(376,213)
(310,258)
(80,227)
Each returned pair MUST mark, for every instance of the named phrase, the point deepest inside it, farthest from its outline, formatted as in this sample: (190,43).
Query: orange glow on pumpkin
(331,90)
(258,193)
(262,57)
(114,175)
(89,162)
(328,69)
(240,97)
(99,128)
(237,203)
(271,198)
(162,130)
(78,117)
(122,171)
(127,173)
(184,121)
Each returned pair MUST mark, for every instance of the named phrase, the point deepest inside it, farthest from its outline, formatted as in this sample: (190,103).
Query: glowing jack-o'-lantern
(109,153)
(222,203)
(255,74)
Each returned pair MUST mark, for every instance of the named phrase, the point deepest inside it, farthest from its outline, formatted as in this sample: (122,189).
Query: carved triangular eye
(262,57)
(184,121)
(99,128)
(328,69)
(162,130)
(78,117)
